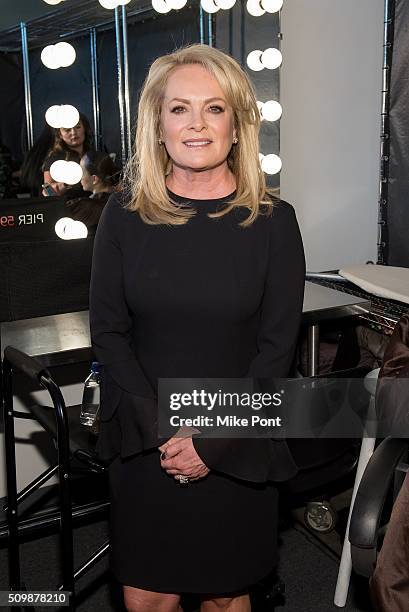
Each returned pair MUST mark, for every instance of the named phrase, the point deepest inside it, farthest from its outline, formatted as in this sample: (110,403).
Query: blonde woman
(196,273)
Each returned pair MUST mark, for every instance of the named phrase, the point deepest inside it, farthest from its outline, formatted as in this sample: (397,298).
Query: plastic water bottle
(91,396)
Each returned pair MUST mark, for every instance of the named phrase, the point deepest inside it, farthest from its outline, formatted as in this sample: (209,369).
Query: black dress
(206,299)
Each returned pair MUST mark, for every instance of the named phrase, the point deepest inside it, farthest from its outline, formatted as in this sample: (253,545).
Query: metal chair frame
(15,360)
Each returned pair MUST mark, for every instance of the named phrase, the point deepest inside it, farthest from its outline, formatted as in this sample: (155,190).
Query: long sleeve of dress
(280,315)
(282,303)
(125,388)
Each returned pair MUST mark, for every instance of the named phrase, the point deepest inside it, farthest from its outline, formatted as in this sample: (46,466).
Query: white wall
(331,81)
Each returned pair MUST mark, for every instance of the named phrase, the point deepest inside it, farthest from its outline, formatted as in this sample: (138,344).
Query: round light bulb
(271,58)
(58,170)
(225,4)
(73,173)
(261,157)
(253,60)
(177,4)
(209,6)
(69,229)
(123,2)
(52,116)
(69,116)
(108,4)
(52,2)
(65,53)
(50,58)
(59,227)
(272,110)
(254,8)
(160,6)
(272,6)
(76,230)
(271,164)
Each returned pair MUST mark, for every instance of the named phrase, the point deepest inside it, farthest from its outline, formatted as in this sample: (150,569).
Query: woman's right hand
(179,457)
(58,188)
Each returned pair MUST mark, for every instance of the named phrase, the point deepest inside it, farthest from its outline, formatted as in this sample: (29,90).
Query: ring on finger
(183,480)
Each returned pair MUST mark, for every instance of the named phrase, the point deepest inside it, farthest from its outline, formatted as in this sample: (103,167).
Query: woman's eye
(178,109)
(217,109)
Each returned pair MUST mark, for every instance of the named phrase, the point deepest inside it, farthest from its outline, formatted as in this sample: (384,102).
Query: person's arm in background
(281,311)
(58,188)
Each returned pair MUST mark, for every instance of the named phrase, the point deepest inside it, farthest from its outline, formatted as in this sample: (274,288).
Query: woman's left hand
(182,459)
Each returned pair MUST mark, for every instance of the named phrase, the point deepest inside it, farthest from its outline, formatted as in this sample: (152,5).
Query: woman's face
(73,137)
(87,181)
(196,120)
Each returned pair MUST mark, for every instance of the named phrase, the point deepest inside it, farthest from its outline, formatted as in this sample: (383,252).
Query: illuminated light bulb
(225,4)
(271,164)
(209,6)
(108,4)
(253,60)
(69,116)
(271,58)
(123,2)
(272,110)
(69,229)
(52,116)
(272,6)
(50,58)
(58,170)
(254,8)
(59,227)
(160,6)
(72,173)
(68,172)
(261,157)
(176,4)
(65,53)
(52,2)
(76,230)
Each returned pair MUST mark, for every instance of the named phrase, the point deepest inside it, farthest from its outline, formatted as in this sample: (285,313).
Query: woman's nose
(198,120)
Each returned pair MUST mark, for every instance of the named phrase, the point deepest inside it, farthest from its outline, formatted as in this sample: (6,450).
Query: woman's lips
(199,144)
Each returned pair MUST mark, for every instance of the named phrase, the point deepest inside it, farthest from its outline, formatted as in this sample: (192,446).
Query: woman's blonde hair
(147,169)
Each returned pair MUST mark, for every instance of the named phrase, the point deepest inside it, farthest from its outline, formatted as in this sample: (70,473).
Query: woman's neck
(79,150)
(209,184)
(103,189)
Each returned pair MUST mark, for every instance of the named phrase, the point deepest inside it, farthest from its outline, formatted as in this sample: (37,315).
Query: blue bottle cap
(95,366)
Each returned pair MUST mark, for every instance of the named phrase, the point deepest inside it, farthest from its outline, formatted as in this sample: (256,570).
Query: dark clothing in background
(88,210)
(73,191)
(390,581)
(54,156)
(206,299)
(31,177)
(6,171)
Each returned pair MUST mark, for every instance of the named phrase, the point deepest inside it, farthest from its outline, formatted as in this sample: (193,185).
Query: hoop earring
(160,141)
(235,140)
